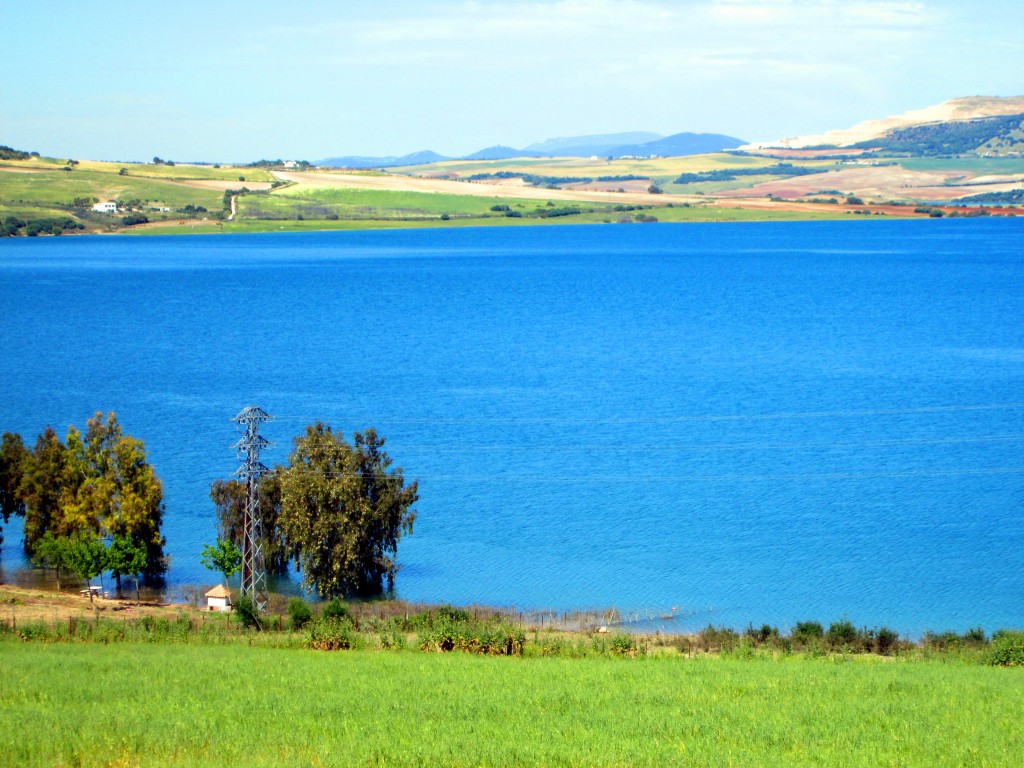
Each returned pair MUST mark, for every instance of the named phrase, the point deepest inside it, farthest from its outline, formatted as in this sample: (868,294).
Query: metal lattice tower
(254,569)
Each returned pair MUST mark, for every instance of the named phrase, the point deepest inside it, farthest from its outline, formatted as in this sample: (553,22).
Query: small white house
(218,599)
(105,207)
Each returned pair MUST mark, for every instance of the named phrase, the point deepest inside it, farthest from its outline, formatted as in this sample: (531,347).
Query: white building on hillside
(105,207)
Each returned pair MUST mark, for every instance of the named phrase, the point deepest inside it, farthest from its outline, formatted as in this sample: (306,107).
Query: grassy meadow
(178,705)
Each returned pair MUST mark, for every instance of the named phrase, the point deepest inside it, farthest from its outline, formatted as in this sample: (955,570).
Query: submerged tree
(343,511)
(98,484)
(126,558)
(12,466)
(228,497)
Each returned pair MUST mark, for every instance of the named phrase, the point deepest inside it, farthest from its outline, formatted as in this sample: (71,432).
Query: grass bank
(169,705)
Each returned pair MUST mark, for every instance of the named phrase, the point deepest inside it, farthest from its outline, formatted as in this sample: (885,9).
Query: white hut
(218,599)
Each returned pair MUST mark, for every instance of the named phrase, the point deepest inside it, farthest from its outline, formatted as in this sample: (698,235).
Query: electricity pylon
(254,568)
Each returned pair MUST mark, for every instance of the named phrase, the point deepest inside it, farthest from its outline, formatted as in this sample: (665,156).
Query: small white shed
(218,599)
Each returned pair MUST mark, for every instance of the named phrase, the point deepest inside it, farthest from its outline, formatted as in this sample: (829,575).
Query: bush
(332,634)
(299,614)
(1007,649)
(335,609)
(807,631)
(247,612)
(841,634)
(451,632)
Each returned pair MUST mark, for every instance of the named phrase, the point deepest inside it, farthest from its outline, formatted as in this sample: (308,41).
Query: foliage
(33,227)
(1010,197)
(1007,649)
(731,174)
(332,634)
(125,557)
(343,511)
(228,498)
(88,558)
(53,552)
(840,634)
(335,609)
(452,632)
(223,557)
(299,614)
(7,153)
(247,612)
(96,483)
(12,462)
(44,484)
(808,630)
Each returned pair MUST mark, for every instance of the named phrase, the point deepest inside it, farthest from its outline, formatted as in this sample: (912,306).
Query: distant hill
(600,145)
(495,153)
(356,161)
(585,146)
(678,145)
(971,124)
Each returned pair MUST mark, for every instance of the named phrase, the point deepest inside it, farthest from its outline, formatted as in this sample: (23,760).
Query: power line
(782,415)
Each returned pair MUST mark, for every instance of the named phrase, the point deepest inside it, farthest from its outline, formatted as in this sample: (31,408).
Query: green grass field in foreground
(168,705)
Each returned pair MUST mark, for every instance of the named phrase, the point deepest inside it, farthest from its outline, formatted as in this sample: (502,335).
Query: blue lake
(750,422)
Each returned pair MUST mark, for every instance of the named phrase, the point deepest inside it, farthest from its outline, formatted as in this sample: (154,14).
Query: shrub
(722,639)
(975,636)
(841,634)
(886,640)
(621,644)
(299,614)
(762,635)
(332,634)
(247,612)
(335,609)
(807,631)
(1007,649)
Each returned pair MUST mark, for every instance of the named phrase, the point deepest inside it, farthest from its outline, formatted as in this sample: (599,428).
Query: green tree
(12,467)
(228,498)
(223,556)
(99,483)
(53,552)
(44,484)
(343,511)
(88,558)
(127,558)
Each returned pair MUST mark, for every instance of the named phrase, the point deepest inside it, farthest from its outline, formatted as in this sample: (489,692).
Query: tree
(343,512)
(126,558)
(223,556)
(43,486)
(228,497)
(88,558)
(53,552)
(12,466)
(99,483)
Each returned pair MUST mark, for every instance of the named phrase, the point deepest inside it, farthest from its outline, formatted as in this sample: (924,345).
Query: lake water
(749,422)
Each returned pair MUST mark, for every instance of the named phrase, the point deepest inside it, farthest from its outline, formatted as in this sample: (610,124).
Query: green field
(62,187)
(173,705)
(997,166)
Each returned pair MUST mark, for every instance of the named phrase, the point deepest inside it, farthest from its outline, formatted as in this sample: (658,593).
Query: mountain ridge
(596,145)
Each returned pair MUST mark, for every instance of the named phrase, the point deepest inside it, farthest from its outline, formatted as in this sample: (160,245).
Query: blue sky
(237,81)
